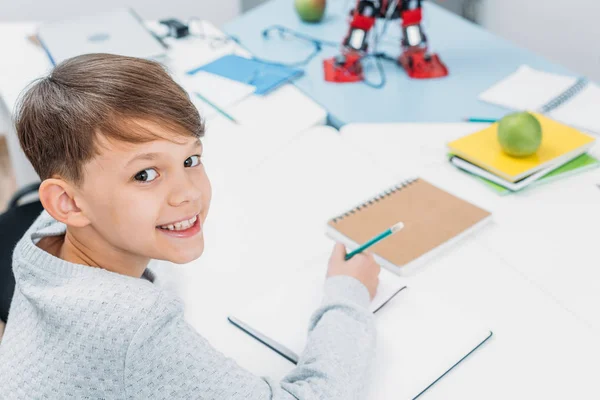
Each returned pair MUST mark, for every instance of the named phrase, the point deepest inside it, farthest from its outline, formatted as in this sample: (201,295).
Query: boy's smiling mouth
(183,228)
(180,225)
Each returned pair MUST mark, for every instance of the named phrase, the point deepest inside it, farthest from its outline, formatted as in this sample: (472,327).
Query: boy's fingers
(339,250)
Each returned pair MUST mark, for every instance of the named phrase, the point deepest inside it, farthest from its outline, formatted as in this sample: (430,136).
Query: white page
(220,91)
(582,111)
(419,337)
(293,194)
(284,107)
(527,89)
(387,145)
(299,296)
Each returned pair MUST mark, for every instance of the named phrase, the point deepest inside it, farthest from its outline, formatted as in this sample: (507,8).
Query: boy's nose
(185,190)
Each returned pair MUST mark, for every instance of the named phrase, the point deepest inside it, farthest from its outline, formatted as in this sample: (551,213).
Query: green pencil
(488,120)
(213,105)
(390,231)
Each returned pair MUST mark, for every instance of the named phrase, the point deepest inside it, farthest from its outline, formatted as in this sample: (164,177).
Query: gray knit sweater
(76,332)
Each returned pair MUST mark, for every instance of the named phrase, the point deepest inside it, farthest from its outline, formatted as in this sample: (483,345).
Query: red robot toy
(415,59)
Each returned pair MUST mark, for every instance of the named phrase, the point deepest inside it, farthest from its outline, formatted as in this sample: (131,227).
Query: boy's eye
(147,175)
(191,161)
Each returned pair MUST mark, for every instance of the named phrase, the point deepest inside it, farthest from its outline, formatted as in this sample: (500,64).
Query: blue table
(476,59)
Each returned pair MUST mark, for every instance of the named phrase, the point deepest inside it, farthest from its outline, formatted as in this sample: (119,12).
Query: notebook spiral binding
(401,185)
(564,96)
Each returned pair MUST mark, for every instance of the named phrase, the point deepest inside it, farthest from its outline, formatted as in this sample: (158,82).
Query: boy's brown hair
(59,116)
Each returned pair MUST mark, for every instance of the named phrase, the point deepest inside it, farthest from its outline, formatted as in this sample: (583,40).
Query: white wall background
(564,31)
(218,11)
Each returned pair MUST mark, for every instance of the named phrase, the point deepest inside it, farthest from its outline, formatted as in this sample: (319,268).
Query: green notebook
(579,164)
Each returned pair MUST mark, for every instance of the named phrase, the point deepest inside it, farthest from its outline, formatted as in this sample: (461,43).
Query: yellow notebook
(560,144)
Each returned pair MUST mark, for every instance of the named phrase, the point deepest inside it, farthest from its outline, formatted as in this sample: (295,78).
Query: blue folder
(265,76)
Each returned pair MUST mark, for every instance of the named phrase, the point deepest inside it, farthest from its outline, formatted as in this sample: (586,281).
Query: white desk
(540,348)
(536,286)
(23,61)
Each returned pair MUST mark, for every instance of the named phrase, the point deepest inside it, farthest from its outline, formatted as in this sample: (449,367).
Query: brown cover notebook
(431,217)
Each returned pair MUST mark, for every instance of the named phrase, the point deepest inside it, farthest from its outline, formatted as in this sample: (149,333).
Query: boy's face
(149,199)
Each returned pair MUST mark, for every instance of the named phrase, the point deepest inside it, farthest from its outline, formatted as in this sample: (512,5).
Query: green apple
(519,134)
(310,10)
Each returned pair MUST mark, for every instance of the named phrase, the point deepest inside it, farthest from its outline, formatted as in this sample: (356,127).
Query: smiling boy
(117,144)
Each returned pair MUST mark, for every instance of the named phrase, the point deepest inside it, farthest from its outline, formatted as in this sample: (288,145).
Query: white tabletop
(544,343)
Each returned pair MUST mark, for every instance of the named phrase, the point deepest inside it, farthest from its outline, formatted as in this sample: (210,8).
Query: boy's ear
(58,198)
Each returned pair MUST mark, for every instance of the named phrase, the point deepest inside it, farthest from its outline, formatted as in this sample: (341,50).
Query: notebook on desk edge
(419,338)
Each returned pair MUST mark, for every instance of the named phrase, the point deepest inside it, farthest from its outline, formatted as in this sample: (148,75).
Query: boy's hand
(362,267)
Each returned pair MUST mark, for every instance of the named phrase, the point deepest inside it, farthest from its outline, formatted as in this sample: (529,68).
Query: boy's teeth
(179,226)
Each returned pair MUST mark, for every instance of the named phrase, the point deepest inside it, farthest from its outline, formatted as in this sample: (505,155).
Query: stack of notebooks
(563,151)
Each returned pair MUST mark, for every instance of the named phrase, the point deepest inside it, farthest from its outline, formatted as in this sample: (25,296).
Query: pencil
(219,110)
(390,231)
(488,120)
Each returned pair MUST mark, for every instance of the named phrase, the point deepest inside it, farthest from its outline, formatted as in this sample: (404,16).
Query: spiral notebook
(573,101)
(432,217)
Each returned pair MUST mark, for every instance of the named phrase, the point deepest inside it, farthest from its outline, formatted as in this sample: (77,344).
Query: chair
(13,224)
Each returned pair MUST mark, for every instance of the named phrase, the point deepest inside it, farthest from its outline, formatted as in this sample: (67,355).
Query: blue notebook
(265,76)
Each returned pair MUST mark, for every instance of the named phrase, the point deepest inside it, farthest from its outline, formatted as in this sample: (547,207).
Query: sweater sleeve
(167,358)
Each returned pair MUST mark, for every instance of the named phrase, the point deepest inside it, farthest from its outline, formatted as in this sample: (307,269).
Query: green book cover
(579,164)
